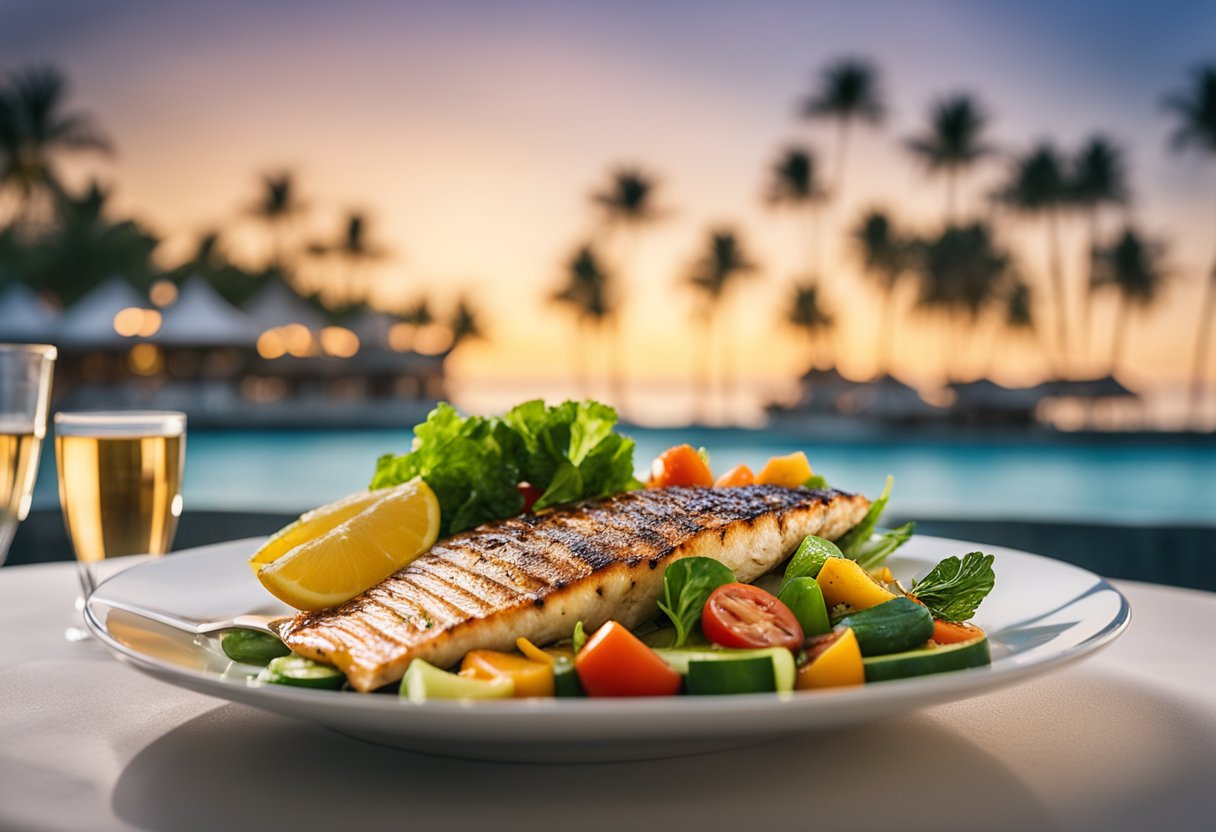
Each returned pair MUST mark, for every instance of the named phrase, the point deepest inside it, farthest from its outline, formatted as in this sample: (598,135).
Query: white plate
(1042,614)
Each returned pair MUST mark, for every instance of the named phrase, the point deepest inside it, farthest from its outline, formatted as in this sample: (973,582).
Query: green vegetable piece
(687,584)
(662,637)
(941,659)
(579,639)
(863,531)
(252,646)
(565,679)
(739,676)
(805,600)
(954,589)
(300,672)
(809,558)
(890,627)
(874,552)
(780,672)
(816,482)
(423,681)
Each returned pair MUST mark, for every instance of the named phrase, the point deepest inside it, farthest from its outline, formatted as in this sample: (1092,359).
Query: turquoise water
(1112,480)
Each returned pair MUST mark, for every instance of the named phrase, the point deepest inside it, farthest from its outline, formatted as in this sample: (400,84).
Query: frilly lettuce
(474,464)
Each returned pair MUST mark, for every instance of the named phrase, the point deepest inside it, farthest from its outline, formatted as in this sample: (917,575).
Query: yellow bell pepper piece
(843,581)
(791,471)
(531,678)
(838,666)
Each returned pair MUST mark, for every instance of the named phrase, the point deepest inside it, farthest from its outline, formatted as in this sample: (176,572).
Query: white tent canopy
(89,322)
(25,317)
(201,318)
(277,305)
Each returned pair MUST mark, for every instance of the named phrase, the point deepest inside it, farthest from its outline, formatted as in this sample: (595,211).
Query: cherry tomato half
(530,493)
(680,465)
(745,616)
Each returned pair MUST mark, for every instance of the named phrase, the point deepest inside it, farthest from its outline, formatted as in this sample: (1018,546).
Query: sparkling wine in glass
(25,391)
(120,483)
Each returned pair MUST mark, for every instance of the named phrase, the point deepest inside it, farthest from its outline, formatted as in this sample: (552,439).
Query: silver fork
(249,621)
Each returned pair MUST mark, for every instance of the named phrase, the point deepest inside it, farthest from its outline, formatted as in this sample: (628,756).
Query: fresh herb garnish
(954,588)
(809,558)
(863,531)
(874,552)
(579,638)
(687,584)
(474,464)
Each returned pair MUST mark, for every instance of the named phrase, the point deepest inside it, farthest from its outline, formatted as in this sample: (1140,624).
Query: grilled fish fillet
(537,574)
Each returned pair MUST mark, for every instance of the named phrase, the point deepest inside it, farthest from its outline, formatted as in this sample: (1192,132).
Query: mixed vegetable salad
(835,617)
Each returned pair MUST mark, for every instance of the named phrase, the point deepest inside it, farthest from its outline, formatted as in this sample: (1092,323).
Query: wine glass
(120,486)
(25,392)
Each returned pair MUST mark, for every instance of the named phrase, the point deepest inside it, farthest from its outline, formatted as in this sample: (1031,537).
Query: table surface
(1123,740)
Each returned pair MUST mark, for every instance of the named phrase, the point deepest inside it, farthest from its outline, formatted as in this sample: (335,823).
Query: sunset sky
(474,133)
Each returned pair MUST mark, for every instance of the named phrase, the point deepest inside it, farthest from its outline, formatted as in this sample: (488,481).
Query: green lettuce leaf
(474,464)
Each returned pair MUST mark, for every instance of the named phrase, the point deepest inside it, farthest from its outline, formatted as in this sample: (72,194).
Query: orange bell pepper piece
(739,475)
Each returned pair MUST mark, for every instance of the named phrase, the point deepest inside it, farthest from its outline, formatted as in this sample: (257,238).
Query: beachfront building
(279,360)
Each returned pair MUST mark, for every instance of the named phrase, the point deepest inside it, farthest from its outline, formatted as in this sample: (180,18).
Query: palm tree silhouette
(586,292)
(464,323)
(1195,111)
(211,262)
(278,206)
(962,271)
(35,131)
(722,265)
(628,204)
(1132,268)
(352,247)
(1038,186)
(953,143)
(1098,180)
(886,257)
(848,92)
(807,315)
(418,313)
(1019,320)
(794,183)
(86,247)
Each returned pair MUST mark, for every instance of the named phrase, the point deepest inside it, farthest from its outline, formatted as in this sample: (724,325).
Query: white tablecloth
(1124,740)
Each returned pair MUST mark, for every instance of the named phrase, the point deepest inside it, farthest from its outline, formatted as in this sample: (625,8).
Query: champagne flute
(25,391)
(120,484)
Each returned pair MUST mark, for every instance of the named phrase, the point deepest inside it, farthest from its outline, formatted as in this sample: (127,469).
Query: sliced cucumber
(252,646)
(423,681)
(742,671)
(890,627)
(928,660)
(300,672)
(565,679)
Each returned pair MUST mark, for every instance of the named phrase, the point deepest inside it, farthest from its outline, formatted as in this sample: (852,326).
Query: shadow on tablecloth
(236,768)
(202,776)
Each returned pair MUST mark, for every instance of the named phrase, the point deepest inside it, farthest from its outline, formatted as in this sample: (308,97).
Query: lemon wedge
(371,541)
(312,525)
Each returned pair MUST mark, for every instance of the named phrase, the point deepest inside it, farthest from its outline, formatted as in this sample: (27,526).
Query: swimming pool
(1111,479)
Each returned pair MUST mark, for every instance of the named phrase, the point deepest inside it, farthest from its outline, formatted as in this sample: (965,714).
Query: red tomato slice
(745,616)
(615,662)
(530,493)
